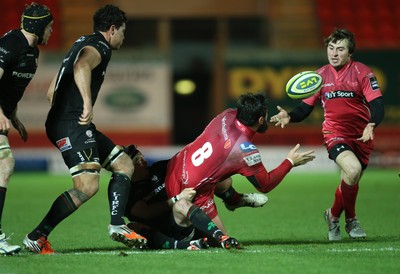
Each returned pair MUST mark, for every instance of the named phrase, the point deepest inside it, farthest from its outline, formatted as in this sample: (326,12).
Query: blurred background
(183,62)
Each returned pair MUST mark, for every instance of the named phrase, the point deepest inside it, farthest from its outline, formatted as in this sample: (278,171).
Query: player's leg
(6,170)
(114,159)
(81,157)
(346,193)
(186,213)
(352,168)
(232,199)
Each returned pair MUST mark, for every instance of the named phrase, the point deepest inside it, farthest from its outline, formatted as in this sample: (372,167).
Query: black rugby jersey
(67,101)
(19,62)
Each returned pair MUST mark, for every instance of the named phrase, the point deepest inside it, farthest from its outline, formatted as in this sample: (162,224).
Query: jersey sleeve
(265,181)
(370,86)
(6,52)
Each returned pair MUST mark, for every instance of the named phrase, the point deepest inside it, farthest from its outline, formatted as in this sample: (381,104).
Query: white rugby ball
(304,85)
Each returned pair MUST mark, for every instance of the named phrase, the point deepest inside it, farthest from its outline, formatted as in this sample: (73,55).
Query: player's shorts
(336,144)
(79,143)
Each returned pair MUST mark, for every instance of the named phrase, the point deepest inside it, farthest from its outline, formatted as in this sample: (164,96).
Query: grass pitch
(287,235)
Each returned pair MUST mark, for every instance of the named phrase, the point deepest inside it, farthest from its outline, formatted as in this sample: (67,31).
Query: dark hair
(250,107)
(340,34)
(107,16)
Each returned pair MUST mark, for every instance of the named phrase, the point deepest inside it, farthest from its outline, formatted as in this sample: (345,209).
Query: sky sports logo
(339,94)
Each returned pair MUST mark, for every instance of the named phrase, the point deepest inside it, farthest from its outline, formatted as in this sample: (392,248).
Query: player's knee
(7,164)
(86,177)
(182,207)
(353,173)
(120,162)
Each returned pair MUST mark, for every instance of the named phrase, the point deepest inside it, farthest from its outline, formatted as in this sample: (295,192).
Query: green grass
(288,235)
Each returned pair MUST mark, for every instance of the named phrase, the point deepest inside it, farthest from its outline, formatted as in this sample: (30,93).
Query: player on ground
(84,149)
(19,55)
(223,149)
(353,107)
(148,205)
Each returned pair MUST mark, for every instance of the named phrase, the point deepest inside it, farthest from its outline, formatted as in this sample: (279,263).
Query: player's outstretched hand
(281,119)
(298,158)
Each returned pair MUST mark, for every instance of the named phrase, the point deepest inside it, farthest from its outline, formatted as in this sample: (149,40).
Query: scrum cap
(35,18)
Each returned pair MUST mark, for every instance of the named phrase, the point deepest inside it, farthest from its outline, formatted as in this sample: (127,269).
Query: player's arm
(19,126)
(265,181)
(4,121)
(377,114)
(88,59)
(298,114)
(50,91)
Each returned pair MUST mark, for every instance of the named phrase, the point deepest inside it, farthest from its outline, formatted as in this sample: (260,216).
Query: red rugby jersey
(344,96)
(223,149)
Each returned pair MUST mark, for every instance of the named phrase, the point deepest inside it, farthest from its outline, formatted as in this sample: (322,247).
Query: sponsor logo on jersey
(104,44)
(208,205)
(64,144)
(334,140)
(3,50)
(80,39)
(24,75)
(185,174)
(228,144)
(373,82)
(155,191)
(89,133)
(339,94)
(252,159)
(247,147)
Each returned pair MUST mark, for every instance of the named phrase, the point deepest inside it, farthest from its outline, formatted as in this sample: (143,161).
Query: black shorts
(79,143)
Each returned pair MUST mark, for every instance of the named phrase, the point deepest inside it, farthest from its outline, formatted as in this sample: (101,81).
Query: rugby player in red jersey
(353,108)
(223,149)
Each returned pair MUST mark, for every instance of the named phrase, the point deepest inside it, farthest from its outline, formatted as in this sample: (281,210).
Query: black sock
(3,191)
(202,222)
(118,194)
(158,240)
(62,207)
(231,197)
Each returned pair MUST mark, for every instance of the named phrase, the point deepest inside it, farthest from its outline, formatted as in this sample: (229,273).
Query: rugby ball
(304,85)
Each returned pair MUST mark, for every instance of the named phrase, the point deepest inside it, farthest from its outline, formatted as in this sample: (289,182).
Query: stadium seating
(374,23)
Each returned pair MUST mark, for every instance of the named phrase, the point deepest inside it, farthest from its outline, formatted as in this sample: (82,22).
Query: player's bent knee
(182,207)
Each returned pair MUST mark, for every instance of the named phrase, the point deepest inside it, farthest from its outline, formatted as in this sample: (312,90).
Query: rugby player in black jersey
(19,55)
(85,150)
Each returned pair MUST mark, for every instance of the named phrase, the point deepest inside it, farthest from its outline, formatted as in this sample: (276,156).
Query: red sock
(349,194)
(337,207)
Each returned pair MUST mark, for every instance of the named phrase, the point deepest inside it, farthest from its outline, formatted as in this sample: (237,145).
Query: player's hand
(87,115)
(4,124)
(299,159)
(20,127)
(187,194)
(281,119)
(368,133)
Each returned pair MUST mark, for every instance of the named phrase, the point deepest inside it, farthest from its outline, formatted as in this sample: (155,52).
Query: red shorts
(360,149)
